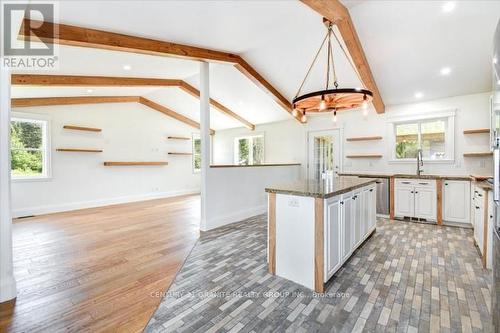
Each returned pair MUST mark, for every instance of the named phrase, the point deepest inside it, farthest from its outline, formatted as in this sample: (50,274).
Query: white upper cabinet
(456,201)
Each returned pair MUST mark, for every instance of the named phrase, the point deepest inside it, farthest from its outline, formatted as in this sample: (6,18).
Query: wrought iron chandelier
(331,98)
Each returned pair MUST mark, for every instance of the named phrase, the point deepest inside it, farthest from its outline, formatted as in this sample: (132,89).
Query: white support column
(7,282)
(205,139)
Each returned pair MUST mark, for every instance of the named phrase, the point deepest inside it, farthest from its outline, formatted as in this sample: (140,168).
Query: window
(196,153)
(29,148)
(249,150)
(433,135)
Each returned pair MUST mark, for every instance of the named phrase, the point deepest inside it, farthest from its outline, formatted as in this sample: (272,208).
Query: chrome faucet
(420,162)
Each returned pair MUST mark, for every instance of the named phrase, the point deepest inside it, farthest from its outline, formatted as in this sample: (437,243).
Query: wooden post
(318,245)
(391,198)
(271,224)
(439,192)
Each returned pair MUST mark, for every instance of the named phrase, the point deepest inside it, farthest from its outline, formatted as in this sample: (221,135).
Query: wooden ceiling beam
(166,111)
(107,81)
(196,93)
(47,101)
(86,81)
(337,13)
(84,37)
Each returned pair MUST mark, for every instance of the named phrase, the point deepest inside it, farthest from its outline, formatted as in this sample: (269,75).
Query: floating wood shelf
(80,128)
(364,138)
(74,150)
(173,153)
(178,138)
(485,154)
(477,131)
(364,156)
(133,163)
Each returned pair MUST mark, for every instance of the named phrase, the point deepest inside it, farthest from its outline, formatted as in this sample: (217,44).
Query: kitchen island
(315,226)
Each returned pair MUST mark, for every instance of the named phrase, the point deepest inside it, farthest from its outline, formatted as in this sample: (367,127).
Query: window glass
(28,148)
(406,140)
(249,150)
(433,139)
(196,153)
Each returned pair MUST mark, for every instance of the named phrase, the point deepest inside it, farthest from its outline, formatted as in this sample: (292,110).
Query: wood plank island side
(319,251)
(272,233)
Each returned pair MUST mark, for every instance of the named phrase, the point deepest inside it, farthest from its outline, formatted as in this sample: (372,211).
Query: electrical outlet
(294,202)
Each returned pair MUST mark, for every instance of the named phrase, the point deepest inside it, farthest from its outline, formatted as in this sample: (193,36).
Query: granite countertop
(414,176)
(321,189)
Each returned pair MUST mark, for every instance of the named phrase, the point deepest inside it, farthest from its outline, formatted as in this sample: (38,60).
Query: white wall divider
(237,193)
(205,138)
(7,281)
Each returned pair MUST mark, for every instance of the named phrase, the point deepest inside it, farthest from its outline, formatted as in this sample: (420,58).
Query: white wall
(130,132)
(286,141)
(235,194)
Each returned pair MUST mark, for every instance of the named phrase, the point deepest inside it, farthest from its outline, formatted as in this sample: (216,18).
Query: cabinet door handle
(424,183)
(479,194)
(405,183)
(477,207)
(416,191)
(371,190)
(445,184)
(341,202)
(491,216)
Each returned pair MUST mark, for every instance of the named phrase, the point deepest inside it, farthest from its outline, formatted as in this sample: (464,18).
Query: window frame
(46,145)
(195,136)
(251,160)
(447,115)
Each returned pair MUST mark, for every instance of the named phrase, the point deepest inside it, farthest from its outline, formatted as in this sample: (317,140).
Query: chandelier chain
(312,64)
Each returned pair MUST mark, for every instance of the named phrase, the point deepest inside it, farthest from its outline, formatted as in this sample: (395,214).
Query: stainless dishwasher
(382,196)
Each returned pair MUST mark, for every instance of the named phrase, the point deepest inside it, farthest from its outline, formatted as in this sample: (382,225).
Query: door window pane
(196,153)
(406,140)
(433,139)
(243,152)
(323,156)
(258,150)
(249,150)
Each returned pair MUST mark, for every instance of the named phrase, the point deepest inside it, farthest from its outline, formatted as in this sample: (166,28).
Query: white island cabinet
(314,227)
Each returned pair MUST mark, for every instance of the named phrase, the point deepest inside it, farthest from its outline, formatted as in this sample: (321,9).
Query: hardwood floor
(100,269)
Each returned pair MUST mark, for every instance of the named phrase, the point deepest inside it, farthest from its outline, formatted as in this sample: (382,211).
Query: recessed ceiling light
(419,94)
(445,71)
(90,91)
(498,82)
(448,6)
(495,60)
(127,67)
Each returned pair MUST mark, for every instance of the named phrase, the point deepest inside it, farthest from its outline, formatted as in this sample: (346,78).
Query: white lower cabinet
(456,201)
(415,198)
(350,219)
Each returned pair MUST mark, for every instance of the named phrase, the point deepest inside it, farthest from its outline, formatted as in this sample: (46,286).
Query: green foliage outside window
(26,148)
(196,154)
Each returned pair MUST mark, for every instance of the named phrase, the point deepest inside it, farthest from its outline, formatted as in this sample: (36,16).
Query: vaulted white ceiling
(406,43)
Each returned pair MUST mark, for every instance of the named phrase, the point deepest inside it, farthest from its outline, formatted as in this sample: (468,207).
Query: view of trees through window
(250,150)
(426,135)
(196,153)
(27,151)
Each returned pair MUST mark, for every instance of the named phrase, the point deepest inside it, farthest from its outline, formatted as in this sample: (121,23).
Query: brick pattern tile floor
(408,277)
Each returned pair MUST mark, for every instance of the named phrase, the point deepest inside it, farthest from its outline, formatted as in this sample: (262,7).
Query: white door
(425,203)
(456,201)
(348,221)
(333,234)
(323,153)
(404,201)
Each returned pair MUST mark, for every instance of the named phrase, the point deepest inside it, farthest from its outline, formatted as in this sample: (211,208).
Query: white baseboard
(49,209)
(233,217)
